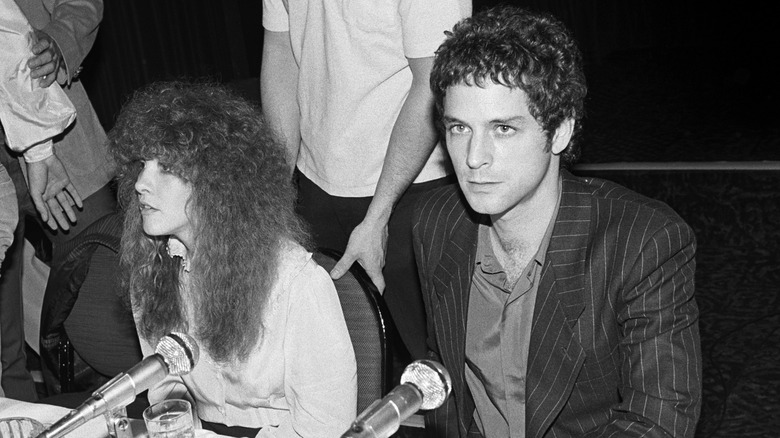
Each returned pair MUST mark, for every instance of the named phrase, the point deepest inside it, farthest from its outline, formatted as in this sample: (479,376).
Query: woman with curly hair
(211,247)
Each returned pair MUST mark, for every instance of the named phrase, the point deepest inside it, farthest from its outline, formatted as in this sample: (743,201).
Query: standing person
(9,215)
(79,168)
(8,218)
(561,306)
(345,82)
(29,117)
(212,247)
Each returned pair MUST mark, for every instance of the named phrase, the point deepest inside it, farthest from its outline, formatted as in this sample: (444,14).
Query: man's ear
(562,136)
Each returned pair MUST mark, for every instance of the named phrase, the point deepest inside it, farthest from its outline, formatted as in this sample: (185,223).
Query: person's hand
(47,60)
(367,245)
(52,192)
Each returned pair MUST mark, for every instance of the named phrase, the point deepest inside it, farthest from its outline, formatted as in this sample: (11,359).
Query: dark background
(662,74)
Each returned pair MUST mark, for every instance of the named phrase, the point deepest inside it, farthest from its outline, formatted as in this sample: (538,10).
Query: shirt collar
(486,259)
(177,249)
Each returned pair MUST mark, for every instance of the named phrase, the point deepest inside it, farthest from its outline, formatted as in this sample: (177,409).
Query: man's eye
(458,129)
(505,129)
(167,168)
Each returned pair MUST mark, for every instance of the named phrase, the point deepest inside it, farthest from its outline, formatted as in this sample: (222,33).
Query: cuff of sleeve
(39,152)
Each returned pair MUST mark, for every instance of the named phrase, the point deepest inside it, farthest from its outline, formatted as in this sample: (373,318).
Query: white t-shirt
(354,78)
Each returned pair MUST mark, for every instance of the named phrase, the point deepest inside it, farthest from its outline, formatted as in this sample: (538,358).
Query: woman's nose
(142,182)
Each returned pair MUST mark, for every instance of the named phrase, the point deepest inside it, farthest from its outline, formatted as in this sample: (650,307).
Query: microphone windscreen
(432,379)
(179,351)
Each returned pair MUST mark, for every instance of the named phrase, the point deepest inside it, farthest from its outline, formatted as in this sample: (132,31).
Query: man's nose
(480,151)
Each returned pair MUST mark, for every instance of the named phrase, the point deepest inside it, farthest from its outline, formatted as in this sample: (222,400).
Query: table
(96,428)
(48,414)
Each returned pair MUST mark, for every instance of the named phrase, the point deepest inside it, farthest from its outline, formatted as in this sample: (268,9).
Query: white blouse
(301,379)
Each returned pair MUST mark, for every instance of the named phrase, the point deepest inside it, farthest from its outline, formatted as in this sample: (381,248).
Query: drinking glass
(169,419)
(20,427)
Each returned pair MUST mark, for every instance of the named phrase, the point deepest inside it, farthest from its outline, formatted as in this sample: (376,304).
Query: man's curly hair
(518,49)
(241,208)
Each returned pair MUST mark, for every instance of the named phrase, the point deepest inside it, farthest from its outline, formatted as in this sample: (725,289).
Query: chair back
(87,333)
(366,317)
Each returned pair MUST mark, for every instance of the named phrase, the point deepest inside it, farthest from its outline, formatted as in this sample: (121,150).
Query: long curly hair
(241,209)
(517,48)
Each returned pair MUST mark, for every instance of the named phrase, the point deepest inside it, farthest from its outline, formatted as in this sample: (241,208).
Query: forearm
(279,91)
(661,371)
(667,402)
(411,142)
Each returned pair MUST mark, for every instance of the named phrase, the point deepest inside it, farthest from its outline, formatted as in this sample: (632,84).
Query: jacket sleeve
(74,26)
(661,360)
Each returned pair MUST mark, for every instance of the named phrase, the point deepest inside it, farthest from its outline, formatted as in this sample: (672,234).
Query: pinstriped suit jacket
(614,346)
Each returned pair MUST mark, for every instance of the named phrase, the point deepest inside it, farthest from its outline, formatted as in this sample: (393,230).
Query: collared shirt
(498,332)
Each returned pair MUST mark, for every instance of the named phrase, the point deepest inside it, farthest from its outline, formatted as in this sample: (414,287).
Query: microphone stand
(118,424)
(98,404)
(176,354)
(387,416)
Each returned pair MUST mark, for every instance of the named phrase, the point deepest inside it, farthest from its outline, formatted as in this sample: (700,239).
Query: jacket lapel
(452,282)
(555,356)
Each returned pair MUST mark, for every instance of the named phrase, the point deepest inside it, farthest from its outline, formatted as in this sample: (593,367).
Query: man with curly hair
(561,306)
(212,247)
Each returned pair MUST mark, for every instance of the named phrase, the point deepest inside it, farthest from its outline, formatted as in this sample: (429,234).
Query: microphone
(425,384)
(176,354)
